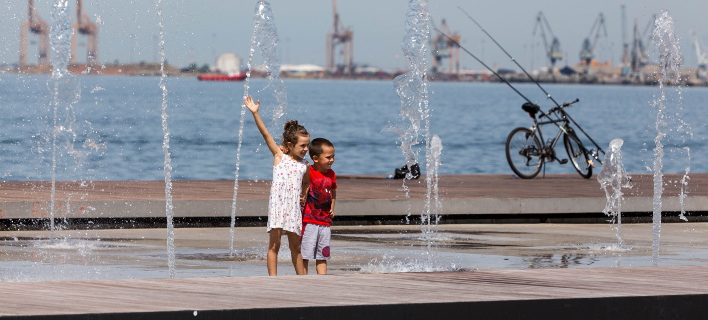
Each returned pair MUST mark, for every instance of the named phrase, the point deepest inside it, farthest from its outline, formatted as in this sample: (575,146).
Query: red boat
(222,77)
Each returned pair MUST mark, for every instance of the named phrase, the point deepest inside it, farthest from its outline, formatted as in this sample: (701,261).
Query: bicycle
(527,151)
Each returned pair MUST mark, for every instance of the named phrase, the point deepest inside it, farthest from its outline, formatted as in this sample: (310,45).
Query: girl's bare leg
(273,248)
(295,254)
(305,264)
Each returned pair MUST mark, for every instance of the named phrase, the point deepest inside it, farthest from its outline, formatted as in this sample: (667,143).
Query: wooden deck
(593,293)
(676,292)
(359,197)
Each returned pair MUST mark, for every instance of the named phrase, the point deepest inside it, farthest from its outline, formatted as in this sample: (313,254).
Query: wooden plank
(189,294)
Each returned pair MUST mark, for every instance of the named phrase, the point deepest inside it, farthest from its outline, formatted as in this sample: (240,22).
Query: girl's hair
(293,130)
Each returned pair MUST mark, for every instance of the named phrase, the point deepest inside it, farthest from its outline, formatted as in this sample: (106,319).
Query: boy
(318,211)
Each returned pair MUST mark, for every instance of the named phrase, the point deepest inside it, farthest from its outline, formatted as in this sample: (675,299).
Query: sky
(198,31)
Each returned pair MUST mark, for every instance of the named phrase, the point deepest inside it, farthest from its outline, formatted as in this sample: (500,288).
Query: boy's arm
(254,106)
(334,200)
(305,186)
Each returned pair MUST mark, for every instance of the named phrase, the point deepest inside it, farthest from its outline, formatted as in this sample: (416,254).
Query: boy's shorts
(315,242)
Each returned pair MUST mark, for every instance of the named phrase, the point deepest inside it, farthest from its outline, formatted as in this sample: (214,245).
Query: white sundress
(284,204)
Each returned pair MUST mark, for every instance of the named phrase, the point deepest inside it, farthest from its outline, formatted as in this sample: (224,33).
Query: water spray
(265,38)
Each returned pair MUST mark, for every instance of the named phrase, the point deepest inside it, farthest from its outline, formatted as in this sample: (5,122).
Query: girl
(291,179)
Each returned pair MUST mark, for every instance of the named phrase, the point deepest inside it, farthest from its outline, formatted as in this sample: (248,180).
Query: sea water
(473,120)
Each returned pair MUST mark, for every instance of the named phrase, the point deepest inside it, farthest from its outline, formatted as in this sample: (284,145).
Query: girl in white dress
(288,190)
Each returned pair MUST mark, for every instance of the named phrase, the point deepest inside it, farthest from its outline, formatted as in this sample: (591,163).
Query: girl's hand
(248,101)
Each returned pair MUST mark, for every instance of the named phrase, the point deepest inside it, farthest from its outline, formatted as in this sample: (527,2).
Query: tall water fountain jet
(412,88)
(166,149)
(612,179)
(432,204)
(684,184)
(265,38)
(64,91)
(670,61)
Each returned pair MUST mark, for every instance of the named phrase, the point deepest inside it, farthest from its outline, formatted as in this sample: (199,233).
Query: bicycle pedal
(563,161)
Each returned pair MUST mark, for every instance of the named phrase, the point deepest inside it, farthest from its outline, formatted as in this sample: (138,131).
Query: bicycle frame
(548,152)
(564,119)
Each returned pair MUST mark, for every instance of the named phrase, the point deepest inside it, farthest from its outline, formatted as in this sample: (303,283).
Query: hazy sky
(197,31)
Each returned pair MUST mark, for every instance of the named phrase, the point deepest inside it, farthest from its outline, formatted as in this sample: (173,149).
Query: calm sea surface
(112,130)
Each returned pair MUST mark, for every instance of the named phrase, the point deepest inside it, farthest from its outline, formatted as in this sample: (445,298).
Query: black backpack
(402,171)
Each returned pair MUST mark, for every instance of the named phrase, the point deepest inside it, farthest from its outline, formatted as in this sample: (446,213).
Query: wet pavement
(204,252)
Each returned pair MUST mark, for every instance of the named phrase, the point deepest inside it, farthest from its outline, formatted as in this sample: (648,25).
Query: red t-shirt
(319,198)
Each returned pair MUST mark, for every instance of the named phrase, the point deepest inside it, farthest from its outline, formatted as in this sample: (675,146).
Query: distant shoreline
(649,76)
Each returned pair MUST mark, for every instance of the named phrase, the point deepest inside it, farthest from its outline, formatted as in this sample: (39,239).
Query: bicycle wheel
(523,153)
(577,155)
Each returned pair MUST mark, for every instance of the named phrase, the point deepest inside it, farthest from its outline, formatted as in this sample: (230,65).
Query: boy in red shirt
(318,211)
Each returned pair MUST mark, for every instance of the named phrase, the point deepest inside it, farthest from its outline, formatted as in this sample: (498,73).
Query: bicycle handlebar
(564,105)
(567,104)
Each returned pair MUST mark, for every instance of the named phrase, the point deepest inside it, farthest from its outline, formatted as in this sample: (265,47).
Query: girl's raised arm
(253,106)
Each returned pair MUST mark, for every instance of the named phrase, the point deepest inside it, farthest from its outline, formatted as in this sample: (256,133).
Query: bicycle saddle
(530,108)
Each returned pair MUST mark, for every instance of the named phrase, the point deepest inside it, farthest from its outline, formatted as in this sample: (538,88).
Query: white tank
(228,63)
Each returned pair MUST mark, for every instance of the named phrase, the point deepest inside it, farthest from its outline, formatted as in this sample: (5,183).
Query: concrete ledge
(354,208)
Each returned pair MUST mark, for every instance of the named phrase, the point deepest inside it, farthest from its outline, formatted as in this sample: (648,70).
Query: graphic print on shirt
(319,198)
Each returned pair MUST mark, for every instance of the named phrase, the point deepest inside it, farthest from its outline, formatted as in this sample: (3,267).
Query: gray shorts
(315,242)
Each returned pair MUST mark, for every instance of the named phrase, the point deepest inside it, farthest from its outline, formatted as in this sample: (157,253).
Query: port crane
(84,26)
(702,56)
(36,25)
(587,53)
(625,45)
(446,48)
(638,55)
(340,36)
(553,51)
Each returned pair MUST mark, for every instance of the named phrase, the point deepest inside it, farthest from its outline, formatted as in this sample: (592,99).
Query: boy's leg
(308,244)
(323,250)
(321,266)
(295,254)
(273,248)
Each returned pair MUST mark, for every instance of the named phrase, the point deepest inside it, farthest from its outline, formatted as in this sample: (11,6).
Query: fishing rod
(482,63)
(525,98)
(527,74)
(548,115)
(510,57)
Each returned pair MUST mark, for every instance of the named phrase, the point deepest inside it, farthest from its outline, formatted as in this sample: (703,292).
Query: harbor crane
(553,51)
(587,53)
(702,56)
(446,47)
(340,36)
(84,26)
(638,55)
(37,26)
(625,45)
